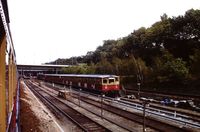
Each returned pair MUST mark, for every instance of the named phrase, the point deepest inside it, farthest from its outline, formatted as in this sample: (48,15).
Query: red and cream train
(99,83)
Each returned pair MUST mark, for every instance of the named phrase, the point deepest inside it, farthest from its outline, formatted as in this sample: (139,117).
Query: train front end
(111,85)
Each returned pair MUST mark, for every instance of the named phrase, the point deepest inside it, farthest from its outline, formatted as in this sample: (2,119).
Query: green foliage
(167,68)
(79,69)
(145,71)
(176,69)
(128,67)
(195,63)
(117,66)
(104,67)
(168,51)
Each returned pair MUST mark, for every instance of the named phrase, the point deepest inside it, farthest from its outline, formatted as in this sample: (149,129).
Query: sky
(45,30)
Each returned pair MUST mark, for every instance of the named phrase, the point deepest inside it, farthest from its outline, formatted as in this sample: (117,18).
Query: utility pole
(138,89)
(79,102)
(139,76)
(102,96)
(145,103)
(70,89)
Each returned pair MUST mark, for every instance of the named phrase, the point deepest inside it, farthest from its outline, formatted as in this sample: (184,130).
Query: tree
(169,69)
(176,70)
(185,34)
(117,66)
(104,67)
(195,63)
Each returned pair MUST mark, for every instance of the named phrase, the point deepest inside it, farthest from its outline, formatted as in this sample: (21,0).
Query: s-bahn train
(106,84)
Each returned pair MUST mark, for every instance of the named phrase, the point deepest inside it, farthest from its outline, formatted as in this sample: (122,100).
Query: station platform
(34,116)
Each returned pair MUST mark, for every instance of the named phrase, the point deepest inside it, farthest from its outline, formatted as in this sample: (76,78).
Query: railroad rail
(184,117)
(174,112)
(151,121)
(149,118)
(55,92)
(85,123)
(188,102)
(164,94)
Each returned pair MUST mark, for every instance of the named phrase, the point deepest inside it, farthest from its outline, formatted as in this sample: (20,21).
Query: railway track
(150,121)
(160,109)
(85,123)
(165,94)
(54,92)
(174,112)
(179,101)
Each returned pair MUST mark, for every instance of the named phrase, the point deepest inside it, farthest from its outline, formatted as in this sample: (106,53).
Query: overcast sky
(44,30)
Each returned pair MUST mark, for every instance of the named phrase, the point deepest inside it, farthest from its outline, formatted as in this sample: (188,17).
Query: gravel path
(34,116)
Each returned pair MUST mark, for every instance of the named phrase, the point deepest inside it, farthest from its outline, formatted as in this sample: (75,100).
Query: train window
(116,79)
(104,81)
(111,80)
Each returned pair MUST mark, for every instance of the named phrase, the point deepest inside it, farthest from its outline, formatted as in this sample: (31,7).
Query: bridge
(32,70)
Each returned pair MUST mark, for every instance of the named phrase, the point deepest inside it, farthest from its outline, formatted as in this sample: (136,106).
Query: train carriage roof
(83,75)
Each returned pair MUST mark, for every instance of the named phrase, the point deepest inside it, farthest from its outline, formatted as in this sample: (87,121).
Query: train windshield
(111,80)
(104,80)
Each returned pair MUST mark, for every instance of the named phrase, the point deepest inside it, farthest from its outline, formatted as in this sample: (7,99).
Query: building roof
(40,67)
(82,75)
